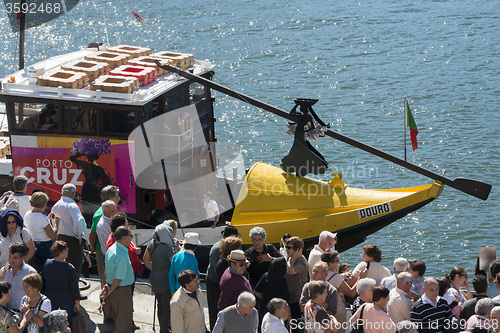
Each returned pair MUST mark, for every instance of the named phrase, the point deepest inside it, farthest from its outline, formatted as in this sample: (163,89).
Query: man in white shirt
(327,241)
(273,320)
(70,226)
(14,272)
(399,306)
(20,184)
(211,211)
(103,228)
(400,265)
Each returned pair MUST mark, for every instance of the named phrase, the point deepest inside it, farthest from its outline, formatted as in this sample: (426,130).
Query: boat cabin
(70,118)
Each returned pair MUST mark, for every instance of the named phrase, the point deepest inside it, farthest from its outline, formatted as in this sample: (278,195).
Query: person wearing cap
(185,259)
(212,281)
(186,305)
(233,282)
(327,241)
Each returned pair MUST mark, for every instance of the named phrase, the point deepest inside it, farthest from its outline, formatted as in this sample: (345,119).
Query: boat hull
(276,201)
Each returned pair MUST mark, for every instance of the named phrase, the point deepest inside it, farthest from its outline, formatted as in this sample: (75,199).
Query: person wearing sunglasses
(458,279)
(297,273)
(233,282)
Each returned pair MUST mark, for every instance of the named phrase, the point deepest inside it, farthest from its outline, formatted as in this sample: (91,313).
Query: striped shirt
(431,317)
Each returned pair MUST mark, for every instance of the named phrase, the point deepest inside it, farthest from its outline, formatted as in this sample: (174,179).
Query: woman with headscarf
(157,258)
(272,284)
(56,321)
(13,231)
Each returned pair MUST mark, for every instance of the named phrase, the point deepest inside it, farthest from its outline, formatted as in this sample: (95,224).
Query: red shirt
(134,258)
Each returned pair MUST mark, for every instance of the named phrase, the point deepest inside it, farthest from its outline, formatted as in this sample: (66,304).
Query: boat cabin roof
(25,84)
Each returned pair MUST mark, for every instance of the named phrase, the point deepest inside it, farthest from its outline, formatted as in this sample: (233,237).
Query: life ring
(186,125)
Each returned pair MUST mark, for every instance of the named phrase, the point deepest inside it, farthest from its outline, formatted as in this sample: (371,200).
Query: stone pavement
(144,303)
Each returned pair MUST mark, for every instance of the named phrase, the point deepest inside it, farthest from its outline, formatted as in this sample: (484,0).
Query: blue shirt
(118,265)
(181,261)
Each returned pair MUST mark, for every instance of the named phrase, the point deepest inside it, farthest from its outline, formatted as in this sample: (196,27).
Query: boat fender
(186,125)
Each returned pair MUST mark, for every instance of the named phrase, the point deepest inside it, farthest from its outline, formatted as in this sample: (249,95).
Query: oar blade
(473,187)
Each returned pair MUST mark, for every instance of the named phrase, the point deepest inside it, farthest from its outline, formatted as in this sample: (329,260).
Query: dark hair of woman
(373,251)
(4,288)
(444,285)
(379,292)
(229,244)
(58,247)
(329,256)
(460,271)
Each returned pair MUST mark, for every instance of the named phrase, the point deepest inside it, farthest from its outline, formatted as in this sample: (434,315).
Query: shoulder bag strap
(331,277)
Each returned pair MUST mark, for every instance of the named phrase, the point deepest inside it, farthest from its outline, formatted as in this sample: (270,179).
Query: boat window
(36,116)
(80,119)
(197,92)
(117,122)
(176,98)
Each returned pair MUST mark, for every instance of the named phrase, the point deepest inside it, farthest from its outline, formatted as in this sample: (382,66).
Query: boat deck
(24,84)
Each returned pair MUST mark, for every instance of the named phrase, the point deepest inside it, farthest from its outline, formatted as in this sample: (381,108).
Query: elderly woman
(336,280)
(56,321)
(458,279)
(364,288)
(157,258)
(228,244)
(9,320)
(316,319)
(273,320)
(42,228)
(34,304)
(260,255)
(60,281)
(483,312)
(372,256)
(12,230)
(374,314)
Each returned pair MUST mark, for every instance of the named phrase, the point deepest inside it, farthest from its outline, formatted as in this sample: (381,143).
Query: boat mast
(22,26)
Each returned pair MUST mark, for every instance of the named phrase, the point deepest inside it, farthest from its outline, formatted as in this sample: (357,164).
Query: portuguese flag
(410,122)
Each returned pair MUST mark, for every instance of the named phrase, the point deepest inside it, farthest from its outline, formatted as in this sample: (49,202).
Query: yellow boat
(282,202)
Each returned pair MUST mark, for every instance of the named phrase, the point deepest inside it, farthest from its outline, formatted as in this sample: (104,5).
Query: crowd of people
(258,289)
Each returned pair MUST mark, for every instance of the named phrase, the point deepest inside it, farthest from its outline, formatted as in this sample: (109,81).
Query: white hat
(192,238)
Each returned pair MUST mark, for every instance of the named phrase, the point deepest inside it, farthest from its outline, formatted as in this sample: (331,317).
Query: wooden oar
(473,187)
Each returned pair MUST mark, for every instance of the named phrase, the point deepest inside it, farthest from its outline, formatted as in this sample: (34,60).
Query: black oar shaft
(475,188)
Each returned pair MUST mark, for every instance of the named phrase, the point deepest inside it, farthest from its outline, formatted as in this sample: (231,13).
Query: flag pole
(404,114)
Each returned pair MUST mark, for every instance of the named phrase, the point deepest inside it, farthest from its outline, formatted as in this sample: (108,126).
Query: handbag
(78,323)
(359,324)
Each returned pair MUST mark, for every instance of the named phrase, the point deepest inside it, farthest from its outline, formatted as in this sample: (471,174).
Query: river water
(359,59)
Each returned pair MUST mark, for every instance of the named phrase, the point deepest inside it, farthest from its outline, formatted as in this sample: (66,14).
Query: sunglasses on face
(289,247)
